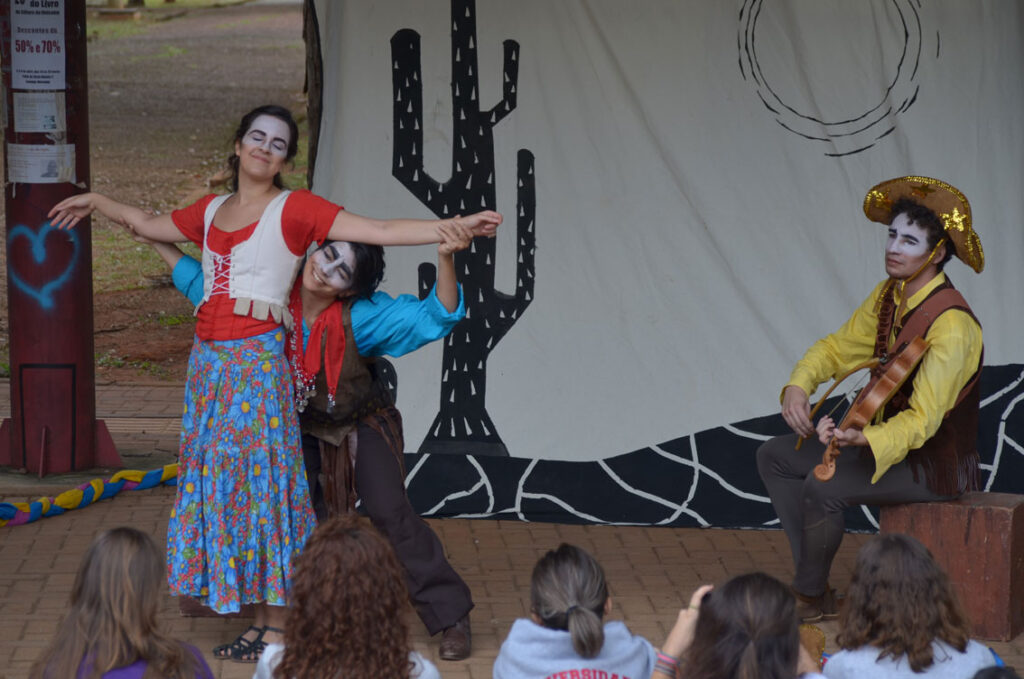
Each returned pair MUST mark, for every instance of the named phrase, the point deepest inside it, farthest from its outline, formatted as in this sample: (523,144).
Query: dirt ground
(164,97)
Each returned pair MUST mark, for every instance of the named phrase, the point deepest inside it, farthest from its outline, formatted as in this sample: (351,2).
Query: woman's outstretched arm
(455,237)
(67,213)
(352,227)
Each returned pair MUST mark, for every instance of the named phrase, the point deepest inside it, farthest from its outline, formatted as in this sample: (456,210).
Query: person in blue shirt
(351,430)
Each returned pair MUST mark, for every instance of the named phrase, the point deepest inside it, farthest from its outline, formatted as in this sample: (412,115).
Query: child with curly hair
(902,618)
(347,615)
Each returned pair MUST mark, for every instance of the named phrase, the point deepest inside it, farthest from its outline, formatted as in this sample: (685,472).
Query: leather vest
(262,266)
(359,393)
(949,459)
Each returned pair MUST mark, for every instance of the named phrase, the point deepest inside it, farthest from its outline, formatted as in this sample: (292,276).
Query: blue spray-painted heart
(43,294)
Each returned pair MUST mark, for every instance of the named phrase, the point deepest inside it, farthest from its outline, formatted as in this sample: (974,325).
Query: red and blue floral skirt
(242,510)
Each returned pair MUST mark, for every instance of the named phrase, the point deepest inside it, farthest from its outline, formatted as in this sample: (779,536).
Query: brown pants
(437,592)
(811,512)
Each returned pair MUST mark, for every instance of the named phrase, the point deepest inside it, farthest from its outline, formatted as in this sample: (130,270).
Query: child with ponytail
(566,631)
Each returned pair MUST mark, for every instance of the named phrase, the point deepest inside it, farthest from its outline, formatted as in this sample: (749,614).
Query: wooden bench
(978,539)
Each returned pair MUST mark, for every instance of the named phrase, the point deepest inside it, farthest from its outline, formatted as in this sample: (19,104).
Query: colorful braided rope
(18,513)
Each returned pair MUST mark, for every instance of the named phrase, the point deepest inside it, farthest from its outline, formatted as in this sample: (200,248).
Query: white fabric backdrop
(690,247)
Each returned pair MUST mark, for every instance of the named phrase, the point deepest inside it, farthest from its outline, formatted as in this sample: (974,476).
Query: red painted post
(53,426)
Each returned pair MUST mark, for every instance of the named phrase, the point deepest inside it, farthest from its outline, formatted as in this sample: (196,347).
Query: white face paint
(906,238)
(907,249)
(334,266)
(270,134)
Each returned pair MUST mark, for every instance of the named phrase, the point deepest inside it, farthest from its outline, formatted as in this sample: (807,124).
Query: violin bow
(870,363)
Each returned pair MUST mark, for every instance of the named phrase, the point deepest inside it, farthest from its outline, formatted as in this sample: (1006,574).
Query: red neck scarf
(330,354)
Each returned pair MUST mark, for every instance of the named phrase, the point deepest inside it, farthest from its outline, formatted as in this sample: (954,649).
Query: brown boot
(456,641)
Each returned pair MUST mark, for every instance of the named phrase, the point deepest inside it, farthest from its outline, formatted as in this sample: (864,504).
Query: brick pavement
(144,421)
(651,571)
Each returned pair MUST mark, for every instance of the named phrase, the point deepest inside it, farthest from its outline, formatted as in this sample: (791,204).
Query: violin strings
(849,397)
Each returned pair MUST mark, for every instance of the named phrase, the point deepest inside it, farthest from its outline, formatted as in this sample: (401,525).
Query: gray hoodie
(535,652)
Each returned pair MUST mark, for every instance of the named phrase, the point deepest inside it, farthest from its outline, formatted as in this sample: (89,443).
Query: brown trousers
(377,478)
(811,512)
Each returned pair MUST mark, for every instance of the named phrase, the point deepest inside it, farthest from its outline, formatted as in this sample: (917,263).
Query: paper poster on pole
(37,45)
(39,112)
(41,163)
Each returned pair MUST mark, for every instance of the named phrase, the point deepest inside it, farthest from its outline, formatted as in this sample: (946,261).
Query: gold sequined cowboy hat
(944,200)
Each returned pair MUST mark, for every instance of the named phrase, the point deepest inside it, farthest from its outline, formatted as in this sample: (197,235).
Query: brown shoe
(830,603)
(456,641)
(811,609)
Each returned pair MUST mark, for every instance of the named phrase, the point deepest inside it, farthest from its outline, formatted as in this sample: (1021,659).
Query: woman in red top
(242,509)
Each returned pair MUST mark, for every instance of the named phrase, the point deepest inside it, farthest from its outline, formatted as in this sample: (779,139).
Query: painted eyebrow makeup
(334,261)
(906,236)
(260,136)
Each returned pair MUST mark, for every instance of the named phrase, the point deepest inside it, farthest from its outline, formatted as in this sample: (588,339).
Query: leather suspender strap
(921,317)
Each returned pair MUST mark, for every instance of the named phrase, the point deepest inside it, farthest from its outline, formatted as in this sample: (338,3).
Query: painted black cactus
(462,424)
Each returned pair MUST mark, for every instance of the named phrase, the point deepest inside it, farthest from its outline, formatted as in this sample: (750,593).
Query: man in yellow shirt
(922,445)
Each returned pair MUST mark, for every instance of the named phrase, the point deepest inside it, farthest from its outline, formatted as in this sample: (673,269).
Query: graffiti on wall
(41,261)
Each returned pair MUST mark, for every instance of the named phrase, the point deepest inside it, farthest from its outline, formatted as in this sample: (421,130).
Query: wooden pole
(49,272)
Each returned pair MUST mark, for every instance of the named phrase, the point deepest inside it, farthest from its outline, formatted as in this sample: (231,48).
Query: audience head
(568,592)
(900,601)
(113,613)
(746,629)
(348,605)
(996,673)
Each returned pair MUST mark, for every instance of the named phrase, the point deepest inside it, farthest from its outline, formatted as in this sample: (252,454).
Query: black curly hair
(925,218)
(369,269)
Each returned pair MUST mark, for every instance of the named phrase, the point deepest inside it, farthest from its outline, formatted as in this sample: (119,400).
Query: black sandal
(255,649)
(239,646)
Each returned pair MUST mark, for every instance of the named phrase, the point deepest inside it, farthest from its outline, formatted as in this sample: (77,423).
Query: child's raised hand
(681,635)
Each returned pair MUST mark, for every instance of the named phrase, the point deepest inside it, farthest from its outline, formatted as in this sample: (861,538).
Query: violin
(889,373)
